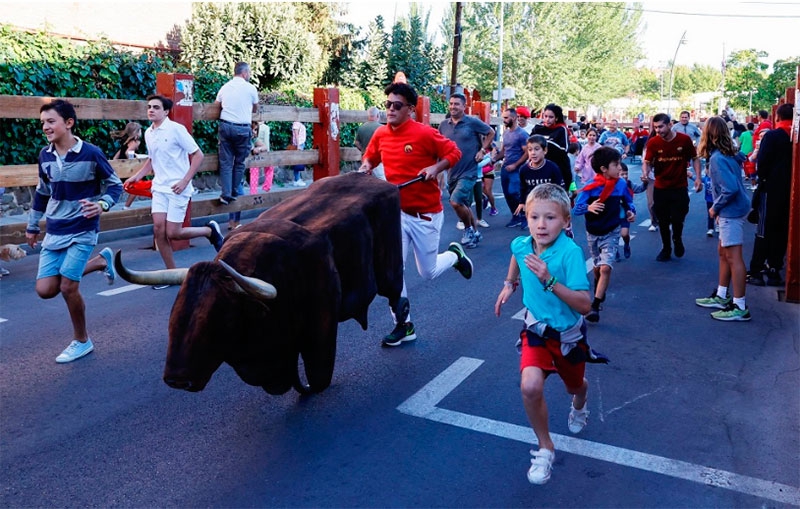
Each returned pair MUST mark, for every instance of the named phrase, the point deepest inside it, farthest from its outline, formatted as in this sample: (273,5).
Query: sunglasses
(397,105)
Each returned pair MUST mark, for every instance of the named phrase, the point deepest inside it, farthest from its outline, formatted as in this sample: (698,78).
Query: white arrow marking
(423,404)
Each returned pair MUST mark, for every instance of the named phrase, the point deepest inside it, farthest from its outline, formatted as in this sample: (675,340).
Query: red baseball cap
(522,111)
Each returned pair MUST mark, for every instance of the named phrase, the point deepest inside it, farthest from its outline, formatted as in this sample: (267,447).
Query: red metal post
(326,133)
(482,110)
(179,88)
(423,113)
(793,249)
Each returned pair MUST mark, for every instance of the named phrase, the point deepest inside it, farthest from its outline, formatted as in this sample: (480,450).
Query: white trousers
(423,237)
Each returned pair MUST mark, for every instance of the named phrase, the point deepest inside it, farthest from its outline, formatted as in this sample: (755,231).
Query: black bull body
(326,251)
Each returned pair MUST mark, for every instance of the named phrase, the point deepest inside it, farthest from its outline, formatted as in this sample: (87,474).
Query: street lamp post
(500,63)
(672,70)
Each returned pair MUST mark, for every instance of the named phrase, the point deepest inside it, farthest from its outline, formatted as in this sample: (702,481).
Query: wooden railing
(25,107)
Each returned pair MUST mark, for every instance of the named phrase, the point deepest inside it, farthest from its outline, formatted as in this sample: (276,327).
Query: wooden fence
(325,154)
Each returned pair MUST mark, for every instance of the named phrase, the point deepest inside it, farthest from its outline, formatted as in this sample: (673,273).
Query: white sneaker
(483,224)
(460,225)
(577,419)
(299,183)
(541,465)
(710,232)
(75,351)
(653,228)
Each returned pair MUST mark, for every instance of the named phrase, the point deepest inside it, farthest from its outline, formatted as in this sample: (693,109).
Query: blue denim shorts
(68,262)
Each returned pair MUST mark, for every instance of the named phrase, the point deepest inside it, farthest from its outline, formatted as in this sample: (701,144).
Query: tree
(784,75)
(411,52)
(744,72)
(285,43)
(373,70)
(568,53)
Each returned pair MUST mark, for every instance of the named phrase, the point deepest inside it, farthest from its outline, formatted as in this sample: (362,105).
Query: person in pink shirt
(583,164)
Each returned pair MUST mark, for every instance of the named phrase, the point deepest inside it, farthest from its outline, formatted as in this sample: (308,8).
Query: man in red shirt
(409,149)
(668,154)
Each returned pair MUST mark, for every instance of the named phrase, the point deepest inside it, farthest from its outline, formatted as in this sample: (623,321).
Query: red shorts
(548,358)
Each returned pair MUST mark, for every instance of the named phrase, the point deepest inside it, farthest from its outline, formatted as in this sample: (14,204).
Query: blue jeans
(234,147)
(509,181)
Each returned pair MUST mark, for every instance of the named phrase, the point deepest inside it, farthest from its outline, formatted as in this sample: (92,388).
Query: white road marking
(645,223)
(637,398)
(121,289)
(423,404)
(3,320)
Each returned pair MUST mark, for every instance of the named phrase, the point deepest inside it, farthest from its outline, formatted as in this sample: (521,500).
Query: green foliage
(568,53)
(284,43)
(784,75)
(37,64)
(745,72)
(373,71)
(412,53)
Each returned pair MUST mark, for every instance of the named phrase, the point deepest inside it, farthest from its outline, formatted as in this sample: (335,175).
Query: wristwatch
(103,205)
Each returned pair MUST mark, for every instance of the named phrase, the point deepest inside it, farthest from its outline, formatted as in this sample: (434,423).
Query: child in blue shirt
(624,224)
(551,269)
(602,201)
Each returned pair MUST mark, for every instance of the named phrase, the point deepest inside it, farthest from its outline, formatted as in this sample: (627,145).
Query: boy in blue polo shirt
(556,295)
(602,201)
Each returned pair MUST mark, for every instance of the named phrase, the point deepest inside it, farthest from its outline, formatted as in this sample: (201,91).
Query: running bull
(280,285)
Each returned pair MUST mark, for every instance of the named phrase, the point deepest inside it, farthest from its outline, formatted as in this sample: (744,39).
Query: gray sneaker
(463,264)
(109,271)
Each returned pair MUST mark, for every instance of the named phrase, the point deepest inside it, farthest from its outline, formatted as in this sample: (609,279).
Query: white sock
(722,292)
(739,301)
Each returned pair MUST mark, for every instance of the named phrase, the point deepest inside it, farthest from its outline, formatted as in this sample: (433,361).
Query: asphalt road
(690,413)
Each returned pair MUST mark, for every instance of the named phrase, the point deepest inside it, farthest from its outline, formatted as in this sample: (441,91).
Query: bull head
(252,286)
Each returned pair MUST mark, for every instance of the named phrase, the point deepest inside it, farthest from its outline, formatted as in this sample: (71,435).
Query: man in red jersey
(668,154)
(409,149)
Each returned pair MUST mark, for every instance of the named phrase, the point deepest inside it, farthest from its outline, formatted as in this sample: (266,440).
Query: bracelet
(551,284)
(511,284)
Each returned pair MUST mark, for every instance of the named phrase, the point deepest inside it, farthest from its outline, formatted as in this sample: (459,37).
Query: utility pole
(456,50)
(672,70)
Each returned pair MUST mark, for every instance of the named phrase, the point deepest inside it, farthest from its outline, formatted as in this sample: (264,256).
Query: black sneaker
(593,315)
(402,332)
(463,265)
(225,200)
(216,237)
(664,256)
(756,279)
(679,249)
(774,278)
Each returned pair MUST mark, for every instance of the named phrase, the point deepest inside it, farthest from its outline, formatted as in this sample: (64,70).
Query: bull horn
(149,277)
(251,285)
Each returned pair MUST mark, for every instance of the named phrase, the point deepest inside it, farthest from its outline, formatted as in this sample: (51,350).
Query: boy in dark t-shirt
(538,170)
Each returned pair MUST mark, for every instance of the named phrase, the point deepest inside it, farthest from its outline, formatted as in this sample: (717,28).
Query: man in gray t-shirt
(473,137)
(514,154)
(364,135)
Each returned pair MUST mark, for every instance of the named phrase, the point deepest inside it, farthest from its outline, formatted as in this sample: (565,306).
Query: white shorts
(174,205)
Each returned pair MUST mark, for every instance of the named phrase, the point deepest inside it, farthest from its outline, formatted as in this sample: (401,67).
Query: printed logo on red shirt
(407,149)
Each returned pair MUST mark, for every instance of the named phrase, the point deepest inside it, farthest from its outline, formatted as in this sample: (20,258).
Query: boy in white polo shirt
(174,159)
